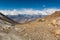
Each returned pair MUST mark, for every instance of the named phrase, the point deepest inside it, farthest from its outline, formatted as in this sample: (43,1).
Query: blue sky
(34,4)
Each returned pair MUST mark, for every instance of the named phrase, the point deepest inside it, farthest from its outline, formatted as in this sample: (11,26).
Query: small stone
(56,31)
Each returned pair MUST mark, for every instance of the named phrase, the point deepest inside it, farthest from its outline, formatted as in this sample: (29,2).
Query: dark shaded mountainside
(5,18)
(47,28)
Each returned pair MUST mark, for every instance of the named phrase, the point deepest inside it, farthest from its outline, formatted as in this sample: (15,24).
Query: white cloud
(29,11)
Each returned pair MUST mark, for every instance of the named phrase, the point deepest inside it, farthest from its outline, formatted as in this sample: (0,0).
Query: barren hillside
(47,28)
(41,29)
(53,16)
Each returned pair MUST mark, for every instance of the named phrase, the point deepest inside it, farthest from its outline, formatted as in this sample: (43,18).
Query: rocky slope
(41,29)
(47,28)
(53,16)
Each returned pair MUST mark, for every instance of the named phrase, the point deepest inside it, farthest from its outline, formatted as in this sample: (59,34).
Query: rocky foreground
(47,28)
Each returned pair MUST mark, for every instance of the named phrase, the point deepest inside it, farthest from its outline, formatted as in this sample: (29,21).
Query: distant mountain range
(25,15)
(21,18)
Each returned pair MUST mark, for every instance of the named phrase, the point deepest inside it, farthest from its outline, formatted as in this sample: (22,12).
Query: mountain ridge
(53,16)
